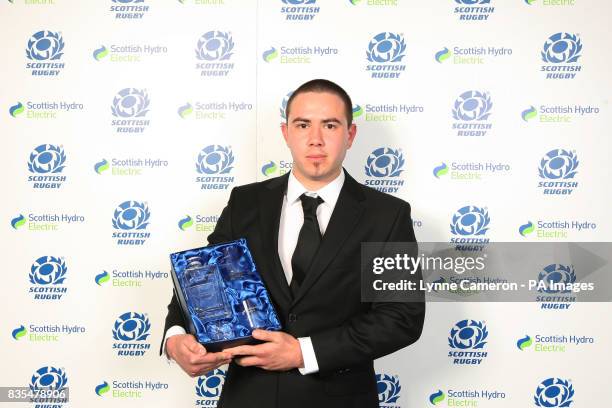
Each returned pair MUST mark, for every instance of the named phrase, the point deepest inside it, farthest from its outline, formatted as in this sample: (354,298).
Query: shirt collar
(329,193)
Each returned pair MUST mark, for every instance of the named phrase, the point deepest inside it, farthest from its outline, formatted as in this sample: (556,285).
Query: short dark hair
(323,85)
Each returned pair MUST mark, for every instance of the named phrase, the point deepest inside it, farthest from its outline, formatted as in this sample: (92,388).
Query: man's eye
(330,126)
(302,125)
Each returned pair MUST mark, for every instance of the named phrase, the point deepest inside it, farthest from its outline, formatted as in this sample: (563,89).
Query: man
(305,231)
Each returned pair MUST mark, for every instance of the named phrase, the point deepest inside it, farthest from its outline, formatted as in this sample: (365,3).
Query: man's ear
(352,132)
(285,130)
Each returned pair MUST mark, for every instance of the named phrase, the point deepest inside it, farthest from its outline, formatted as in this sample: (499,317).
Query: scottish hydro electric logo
(128,167)
(102,389)
(473,9)
(45,164)
(552,343)
(269,169)
(19,332)
(474,397)
(299,10)
(128,9)
(214,50)
(554,393)
(375,3)
(557,168)
(130,333)
(129,278)
(357,111)
(129,389)
(44,50)
(469,225)
(213,110)
(41,222)
(437,397)
(18,221)
(200,223)
(384,54)
(37,110)
(386,112)
(471,171)
(466,341)
(273,169)
(559,113)
(560,55)
(130,107)
(185,223)
(214,164)
(47,276)
(102,278)
(383,169)
(130,221)
(185,110)
(128,53)
(545,229)
(52,382)
(16,109)
(46,332)
(471,112)
(440,170)
(526,229)
(302,54)
(389,388)
(524,342)
(471,55)
(209,387)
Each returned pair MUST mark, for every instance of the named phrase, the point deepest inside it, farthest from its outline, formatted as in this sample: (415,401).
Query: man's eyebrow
(324,121)
(331,120)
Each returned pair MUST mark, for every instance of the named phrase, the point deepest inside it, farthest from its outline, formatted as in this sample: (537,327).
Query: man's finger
(244,350)
(192,345)
(265,335)
(211,365)
(200,369)
(210,358)
(249,361)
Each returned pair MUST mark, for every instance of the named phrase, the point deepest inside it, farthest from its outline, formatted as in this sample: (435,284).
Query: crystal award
(222,295)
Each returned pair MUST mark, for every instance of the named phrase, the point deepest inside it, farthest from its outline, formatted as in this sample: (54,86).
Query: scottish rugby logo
(44,50)
(560,55)
(558,168)
(471,111)
(130,221)
(214,50)
(385,53)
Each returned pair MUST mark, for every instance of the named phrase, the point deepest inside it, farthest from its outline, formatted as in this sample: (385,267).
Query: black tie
(307,243)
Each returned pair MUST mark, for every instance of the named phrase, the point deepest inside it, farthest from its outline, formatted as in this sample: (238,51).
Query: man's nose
(315,138)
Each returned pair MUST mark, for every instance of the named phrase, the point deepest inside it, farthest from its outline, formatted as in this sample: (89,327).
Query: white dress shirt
(291,220)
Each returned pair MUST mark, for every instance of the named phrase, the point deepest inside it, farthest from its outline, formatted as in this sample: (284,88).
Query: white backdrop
(190,74)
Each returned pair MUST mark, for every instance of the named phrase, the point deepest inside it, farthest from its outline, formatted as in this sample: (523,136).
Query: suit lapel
(270,206)
(343,221)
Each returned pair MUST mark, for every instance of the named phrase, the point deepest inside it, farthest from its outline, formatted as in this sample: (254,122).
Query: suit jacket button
(292,317)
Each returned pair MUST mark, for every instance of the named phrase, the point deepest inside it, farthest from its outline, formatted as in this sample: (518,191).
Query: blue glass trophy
(222,295)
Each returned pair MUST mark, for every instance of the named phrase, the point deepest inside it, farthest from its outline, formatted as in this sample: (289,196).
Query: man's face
(318,135)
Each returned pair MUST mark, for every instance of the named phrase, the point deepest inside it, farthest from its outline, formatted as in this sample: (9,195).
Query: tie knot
(310,204)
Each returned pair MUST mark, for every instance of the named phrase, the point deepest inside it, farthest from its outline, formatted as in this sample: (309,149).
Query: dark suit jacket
(347,335)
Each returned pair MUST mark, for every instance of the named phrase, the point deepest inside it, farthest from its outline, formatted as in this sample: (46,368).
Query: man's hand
(280,352)
(192,356)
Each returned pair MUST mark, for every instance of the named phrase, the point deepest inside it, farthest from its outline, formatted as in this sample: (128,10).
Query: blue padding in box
(241,305)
